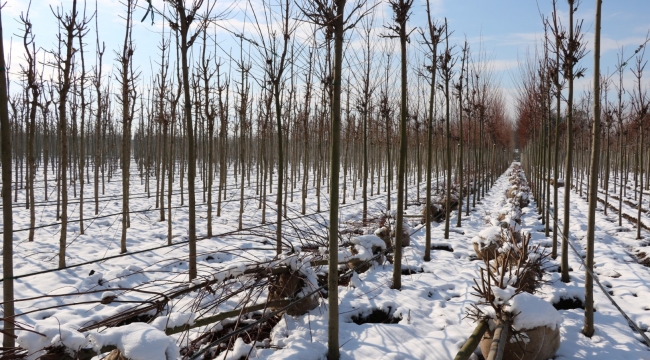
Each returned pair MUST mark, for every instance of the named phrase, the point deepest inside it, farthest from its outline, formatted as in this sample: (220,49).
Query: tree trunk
(588,329)
(82,154)
(170,169)
(63,100)
(460,131)
(127,117)
(401,15)
(191,151)
(434,38)
(448,138)
(7,213)
(568,165)
(335,161)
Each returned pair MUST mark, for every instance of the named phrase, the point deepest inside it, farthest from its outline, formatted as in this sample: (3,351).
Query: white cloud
(13,8)
(499,65)
(609,44)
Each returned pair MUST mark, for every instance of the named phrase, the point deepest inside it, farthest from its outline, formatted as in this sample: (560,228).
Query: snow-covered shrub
(488,241)
(363,249)
(386,230)
(295,284)
(510,276)
(436,213)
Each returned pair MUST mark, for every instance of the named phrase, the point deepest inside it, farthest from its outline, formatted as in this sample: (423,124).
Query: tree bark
(66,65)
(569,161)
(191,151)
(588,329)
(7,213)
(401,17)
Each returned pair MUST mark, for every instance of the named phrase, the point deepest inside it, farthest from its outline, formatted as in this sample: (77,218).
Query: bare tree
(127,99)
(554,69)
(7,213)
(402,13)
(446,62)
(640,108)
(588,328)
(619,116)
(82,129)
(32,93)
(186,17)
(459,88)
(97,83)
(223,135)
(210,114)
(572,49)
(72,26)
(330,15)
(364,107)
(244,93)
(275,54)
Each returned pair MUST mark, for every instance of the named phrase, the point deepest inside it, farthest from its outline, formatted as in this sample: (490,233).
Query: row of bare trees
(600,136)
(291,114)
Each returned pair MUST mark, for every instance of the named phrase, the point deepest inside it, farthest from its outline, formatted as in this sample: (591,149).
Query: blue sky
(510,28)
(507,29)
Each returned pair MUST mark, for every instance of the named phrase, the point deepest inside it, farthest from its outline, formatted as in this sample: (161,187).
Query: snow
(432,304)
(240,350)
(364,244)
(173,320)
(488,236)
(368,241)
(503,295)
(381,231)
(531,312)
(55,335)
(108,296)
(137,341)
(344,255)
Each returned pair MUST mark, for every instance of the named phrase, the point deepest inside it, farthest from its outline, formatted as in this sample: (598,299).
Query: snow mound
(173,320)
(137,341)
(229,270)
(364,246)
(368,241)
(344,255)
(487,236)
(108,297)
(55,335)
(240,350)
(532,312)
(503,295)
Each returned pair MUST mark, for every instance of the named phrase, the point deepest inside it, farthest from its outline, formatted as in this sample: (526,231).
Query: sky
(507,30)
(510,29)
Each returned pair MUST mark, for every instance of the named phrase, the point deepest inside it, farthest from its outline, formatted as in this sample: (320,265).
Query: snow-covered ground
(619,271)
(429,310)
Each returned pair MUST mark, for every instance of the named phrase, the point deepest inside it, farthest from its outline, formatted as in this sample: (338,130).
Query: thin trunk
(446,71)
(82,156)
(65,67)
(434,39)
(460,130)
(569,161)
(401,14)
(170,168)
(8,340)
(335,161)
(191,156)
(127,117)
(588,329)
(640,203)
